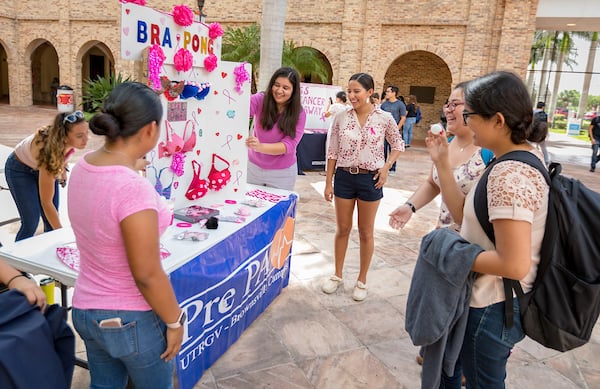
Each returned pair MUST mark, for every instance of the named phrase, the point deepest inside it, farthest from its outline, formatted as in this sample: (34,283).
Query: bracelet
(411,206)
(12,279)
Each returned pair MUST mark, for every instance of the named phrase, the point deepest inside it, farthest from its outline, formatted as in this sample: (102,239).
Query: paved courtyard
(307,339)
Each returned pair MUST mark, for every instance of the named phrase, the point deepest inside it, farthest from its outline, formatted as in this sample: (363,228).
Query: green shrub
(560,122)
(96,91)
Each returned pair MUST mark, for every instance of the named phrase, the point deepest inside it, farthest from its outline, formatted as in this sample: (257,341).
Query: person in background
(498,110)
(53,90)
(14,279)
(38,165)
(540,118)
(341,104)
(356,155)
(397,109)
(375,100)
(279,121)
(122,292)
(594,133)
(411,119)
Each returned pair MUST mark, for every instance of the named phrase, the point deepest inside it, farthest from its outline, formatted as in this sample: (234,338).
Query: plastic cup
(436,128)
(47,285)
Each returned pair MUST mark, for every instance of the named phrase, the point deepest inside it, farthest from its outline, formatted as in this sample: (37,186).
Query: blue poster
(224,289)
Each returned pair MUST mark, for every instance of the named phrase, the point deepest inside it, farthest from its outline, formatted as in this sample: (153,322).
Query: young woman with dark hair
(498,110)
(38,165)
(355,154)
(124,307)
(278,121)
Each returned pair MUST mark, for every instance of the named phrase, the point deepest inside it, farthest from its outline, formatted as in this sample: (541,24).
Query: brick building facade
(428,45)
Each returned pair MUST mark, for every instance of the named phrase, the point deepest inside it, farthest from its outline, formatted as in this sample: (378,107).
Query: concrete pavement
(307,339)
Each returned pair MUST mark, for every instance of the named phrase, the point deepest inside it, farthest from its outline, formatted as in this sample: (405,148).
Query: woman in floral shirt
(356,154)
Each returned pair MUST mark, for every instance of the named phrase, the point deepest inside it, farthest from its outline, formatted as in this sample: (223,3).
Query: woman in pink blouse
(356,154)
(278,127)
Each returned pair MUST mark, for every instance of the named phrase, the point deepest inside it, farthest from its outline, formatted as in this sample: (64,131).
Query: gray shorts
(274,178)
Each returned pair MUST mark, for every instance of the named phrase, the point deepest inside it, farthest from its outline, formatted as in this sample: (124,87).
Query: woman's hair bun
(105,124)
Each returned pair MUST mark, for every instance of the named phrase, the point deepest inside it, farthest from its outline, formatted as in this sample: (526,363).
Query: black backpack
(561,309)
(540,118)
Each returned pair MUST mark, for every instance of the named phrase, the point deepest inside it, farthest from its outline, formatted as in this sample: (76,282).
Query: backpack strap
(483,216)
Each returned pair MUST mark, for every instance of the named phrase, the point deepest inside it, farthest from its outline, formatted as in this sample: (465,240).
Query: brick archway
(427,75)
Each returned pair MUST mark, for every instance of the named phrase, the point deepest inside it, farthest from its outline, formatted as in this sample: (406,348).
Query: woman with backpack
(498,110)
(411,119)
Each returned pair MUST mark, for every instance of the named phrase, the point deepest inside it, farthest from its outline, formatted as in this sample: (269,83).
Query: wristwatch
(179,322)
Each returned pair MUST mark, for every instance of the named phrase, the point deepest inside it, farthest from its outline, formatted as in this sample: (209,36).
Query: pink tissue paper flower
(215,30)
(183,15)
(241,76)
(210,63)
(183,60)
(156,58)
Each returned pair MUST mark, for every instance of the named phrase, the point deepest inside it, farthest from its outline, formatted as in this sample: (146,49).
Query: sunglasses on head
(73,117)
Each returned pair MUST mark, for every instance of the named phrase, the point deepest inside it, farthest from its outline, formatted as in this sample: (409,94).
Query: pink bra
(176,143)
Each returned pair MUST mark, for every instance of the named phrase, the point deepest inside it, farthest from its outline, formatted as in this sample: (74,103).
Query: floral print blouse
(353,146)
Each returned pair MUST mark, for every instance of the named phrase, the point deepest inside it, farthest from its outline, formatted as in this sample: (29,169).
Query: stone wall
(434,43)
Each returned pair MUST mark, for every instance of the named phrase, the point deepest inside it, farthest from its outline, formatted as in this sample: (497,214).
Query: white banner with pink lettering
(314,98)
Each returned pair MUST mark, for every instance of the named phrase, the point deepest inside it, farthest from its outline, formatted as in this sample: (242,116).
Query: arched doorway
(4,91)
(310,62)
(97,61)
(44,69)
(425,75)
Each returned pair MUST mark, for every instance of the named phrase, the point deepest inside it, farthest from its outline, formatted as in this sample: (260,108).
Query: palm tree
(564,58)
(537,52)
(306,60)
(242,45)
(271,39)
(550,41)
(593,37)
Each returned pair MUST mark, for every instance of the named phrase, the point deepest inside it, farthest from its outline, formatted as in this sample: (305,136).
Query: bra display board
(201,157)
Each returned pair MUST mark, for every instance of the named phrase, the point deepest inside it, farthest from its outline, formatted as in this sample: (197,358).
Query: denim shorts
(133,350)
(351,186)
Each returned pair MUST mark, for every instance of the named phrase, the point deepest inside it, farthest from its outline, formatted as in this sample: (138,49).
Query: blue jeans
(24,186)
(133,350)
(595,158)
(407,132)
(488,344)
(387,148)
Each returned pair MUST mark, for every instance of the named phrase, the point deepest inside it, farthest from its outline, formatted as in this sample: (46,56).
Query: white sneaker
(360,291)
(331,284)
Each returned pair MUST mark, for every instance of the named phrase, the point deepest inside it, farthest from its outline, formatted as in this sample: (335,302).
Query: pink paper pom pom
(241,76)
(156,58)
(215,30)
(183,60)
(210,63)
(183,15)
